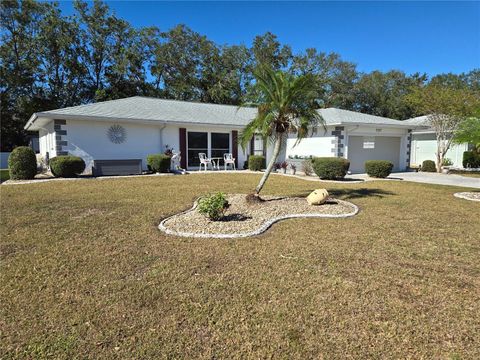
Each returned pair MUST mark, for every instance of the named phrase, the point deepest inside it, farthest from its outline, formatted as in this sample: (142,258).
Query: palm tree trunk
(268,170)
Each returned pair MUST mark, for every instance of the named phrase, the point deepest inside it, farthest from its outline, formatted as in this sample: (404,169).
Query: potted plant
(284,166)
(293,167)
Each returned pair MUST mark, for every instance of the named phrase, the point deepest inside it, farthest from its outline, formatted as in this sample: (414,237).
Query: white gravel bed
(242,219)
(472,196)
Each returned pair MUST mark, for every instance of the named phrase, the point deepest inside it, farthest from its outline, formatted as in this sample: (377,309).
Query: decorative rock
(317,197)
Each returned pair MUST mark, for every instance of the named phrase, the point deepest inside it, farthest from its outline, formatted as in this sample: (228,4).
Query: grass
(475,174)
(86,274)
(4,175)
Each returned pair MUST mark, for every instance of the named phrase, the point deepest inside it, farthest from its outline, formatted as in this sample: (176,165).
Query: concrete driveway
(429,178)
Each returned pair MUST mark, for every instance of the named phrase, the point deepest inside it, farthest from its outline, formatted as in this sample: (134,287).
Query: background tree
(469,132)
(384,94)
(446,109)
(286,103)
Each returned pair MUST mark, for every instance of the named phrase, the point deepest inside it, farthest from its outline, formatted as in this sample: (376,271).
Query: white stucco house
(112,135)
(424,144)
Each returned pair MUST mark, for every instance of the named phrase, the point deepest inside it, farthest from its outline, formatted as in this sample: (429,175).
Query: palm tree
(286,103)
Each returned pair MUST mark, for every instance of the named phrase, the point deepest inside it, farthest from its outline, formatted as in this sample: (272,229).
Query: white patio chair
(204,161)
(228,159)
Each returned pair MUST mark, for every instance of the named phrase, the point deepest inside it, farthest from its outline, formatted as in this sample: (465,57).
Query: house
(424,144)
(112,135)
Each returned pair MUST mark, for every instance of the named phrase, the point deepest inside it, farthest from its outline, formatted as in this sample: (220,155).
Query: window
(220,144)
(369,142)
(197,143)
(258,145)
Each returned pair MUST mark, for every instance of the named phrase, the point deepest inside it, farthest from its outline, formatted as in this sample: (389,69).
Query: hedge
(378,168)
(66,166)
(428,166)
(22,163)
(256,162)
(471,159)
(159,163)
(330,168)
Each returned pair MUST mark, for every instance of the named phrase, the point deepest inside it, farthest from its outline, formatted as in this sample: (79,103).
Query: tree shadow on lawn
(353,193)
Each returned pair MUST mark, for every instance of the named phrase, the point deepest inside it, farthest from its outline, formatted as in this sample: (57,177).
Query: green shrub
(378,168)
(22,163)
(307,167)
(66,166)
(471,159)
(428,166)
(330,168)
(213,206)
(256,162)
(447,162)
(159,163)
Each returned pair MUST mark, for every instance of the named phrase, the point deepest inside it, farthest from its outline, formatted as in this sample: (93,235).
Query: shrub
(66,166)
(159,162)
(447,162)
(307,167)
(378,168)
(471,159)
(213,206)
(22,163)
(256,162)
(330,168)
(428,166)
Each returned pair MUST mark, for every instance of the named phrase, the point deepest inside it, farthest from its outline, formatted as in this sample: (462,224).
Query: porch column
(183,147)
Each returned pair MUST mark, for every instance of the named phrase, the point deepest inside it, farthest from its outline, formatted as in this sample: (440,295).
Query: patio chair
(204,161)
(228,159)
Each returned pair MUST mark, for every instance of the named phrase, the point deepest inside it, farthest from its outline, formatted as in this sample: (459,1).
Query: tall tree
(446,108)
(334,77)
(20,61)
(286,103)
(384,94)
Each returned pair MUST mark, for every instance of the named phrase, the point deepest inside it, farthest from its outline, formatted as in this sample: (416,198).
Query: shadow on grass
(359,193)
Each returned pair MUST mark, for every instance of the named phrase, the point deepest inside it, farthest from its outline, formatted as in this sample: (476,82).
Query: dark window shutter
(183,147)
(235,146)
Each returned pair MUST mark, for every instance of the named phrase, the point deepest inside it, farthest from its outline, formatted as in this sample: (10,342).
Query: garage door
(363,148)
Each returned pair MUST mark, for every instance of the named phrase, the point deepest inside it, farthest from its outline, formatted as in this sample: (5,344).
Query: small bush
(447,162)
(307,167)
(330,168)
(471,159)
(159,163)
(428,166)
(66,166)
(213,206)
(22,163)
(378,168)
(256,162)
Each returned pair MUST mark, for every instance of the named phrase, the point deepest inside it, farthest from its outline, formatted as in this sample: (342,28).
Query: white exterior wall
(424,147)
(89,140)
(318,145)
(46,140)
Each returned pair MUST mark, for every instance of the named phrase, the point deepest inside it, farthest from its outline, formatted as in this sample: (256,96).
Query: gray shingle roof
(153,109)
(419,121)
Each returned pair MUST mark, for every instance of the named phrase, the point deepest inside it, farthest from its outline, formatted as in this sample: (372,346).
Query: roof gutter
(129,120)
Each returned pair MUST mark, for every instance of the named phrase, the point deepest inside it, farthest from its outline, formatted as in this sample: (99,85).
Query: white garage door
(363,148)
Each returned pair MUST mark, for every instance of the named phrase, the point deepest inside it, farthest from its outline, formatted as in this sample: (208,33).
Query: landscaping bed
(473,196)
(242,219)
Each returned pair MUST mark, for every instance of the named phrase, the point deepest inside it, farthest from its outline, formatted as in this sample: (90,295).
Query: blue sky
(431,37)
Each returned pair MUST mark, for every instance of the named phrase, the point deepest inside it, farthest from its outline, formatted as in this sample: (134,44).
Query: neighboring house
(424,144)
(132,128)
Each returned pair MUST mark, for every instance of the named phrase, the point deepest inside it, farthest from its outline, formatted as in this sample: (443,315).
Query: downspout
(161,137)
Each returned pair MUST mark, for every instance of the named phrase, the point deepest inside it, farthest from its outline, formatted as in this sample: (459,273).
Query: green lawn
(4,175)
(86,274)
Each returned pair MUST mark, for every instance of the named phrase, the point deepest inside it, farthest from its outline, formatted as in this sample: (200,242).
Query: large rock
(317,197)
